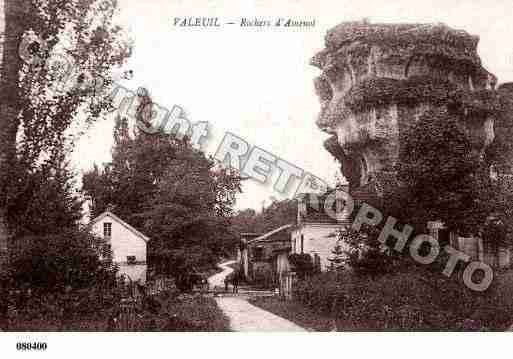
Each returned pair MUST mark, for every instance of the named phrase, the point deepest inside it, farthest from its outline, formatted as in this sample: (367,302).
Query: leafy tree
(38,112)
(278,214)
(98,181)
(179,197)
(365,254)
(44,200)
(38,115)
(52,262)
(337,257)
(444,178)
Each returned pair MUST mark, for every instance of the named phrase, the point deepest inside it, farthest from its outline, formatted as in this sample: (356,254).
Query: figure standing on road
(235,283)
(226,281)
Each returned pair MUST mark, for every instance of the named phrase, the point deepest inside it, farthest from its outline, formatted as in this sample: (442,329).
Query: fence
(287,281)
(159,285)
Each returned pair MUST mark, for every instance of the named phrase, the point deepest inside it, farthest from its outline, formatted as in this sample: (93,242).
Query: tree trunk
(11,30)
(12,27)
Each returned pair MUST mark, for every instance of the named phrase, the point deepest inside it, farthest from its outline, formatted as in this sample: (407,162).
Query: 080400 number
(27,346)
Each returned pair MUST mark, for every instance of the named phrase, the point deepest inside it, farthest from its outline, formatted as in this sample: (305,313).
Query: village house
(315,230)
(127,245)
(264,259)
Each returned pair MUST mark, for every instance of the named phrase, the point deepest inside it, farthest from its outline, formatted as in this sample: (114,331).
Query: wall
(244,262)
(318,239)
(495,257)
(125,243)
(136,272)
(282,263)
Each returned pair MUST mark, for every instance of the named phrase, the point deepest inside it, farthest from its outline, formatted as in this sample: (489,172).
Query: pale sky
(257,82)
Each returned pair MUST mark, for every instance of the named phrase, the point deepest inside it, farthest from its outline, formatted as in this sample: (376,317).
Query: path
(217,280)
(245,317)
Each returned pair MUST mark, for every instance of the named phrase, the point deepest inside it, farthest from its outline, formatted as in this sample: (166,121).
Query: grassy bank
(168,311)
(414,301)
(192,313)
(295,312)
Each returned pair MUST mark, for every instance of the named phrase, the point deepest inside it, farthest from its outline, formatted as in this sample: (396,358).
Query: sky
(257,82)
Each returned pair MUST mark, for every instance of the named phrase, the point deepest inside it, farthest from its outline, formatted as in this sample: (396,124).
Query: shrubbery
(416,300)
(50,263)
(302,264)
(263,276)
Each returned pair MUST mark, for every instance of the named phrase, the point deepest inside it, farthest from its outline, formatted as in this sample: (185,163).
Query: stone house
(314,230)
(127,245)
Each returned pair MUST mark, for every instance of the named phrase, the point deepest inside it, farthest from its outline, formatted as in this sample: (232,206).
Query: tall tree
(14,14)
(277,214)
(175,194)
(36,110)
(445,178)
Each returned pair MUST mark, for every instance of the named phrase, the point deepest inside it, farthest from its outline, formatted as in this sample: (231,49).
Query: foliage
(44,200)
(302,264)
(190,313)
(365,255)
(337,257)
(84,310)
(414,300)
(82,47)
(277,214)
(263,276)
(178,197)
(444,177)
(50,263)
(47,246)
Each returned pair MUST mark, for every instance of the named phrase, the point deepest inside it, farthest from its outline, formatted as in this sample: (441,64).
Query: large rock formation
(377,79)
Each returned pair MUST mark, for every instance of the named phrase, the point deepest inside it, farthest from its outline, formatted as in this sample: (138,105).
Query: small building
(315,230)
(265,258)
(126,244)
(242,252)
(489,247)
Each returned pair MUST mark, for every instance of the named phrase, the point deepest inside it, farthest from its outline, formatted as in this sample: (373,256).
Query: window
(107,229)
(130,259)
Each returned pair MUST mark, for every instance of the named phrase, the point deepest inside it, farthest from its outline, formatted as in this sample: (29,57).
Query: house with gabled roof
(314,232)
(126,244)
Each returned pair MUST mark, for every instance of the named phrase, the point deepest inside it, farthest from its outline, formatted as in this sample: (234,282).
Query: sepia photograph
(177,171)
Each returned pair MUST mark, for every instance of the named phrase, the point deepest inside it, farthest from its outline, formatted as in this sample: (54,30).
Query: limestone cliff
(377,79)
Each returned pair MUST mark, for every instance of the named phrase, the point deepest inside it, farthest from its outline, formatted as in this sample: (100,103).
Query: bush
(263,276)
(53,262)
(417,300)
(302,264)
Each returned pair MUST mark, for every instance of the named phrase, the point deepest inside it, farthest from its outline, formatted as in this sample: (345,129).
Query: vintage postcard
(253,166)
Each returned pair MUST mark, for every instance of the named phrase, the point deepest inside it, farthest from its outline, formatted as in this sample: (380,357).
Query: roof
(268,235)
(120,221)
(314,207)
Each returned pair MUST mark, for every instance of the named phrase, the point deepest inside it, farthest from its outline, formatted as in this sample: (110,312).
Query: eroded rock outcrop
(377,79)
